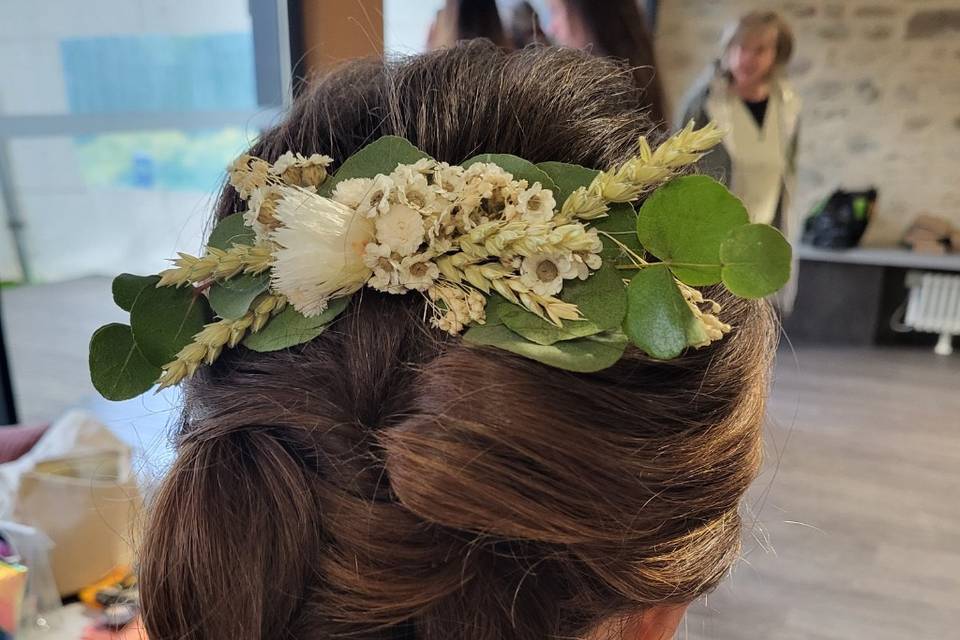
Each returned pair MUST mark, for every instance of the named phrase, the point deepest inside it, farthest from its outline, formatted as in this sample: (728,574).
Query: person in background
(524,27)
(465,20)
(745,92)
(616,29)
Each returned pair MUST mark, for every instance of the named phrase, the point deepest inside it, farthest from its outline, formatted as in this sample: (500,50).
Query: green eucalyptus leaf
(230,231)
(379,157)
(493,310)
(289,327)
(583,355)
(684,222)
(657,314)
(756,260)
(165,319)
(601,298)
(567,178)
(126,287)
(117,368)
(231,298)
(621,224)
(519,168)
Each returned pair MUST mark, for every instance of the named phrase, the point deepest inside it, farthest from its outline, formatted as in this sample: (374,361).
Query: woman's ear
(656,623)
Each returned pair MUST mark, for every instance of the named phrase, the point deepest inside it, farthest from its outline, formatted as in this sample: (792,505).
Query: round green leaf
(583,355)
(601,298)
(126,287)
(756,260)
(231,298)
(380,156)
(567,177)
(117,368)
(230,231)
(657,314)
(165,319)
(289,328)
(618,228)
(684,222)
(519,168)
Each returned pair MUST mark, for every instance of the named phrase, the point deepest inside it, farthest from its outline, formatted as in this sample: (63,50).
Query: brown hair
(468,19)
(756,21)
(617,29)
(388,481)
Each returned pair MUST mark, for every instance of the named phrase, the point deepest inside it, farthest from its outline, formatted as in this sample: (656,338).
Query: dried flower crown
(549,261)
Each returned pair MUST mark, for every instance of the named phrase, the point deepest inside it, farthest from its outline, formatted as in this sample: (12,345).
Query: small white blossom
(400,228)
(536,204)
(352,191)
(386,271)
(377,199)
(544,274)
(585,261)
(449,178)
(416,193)
(418,272)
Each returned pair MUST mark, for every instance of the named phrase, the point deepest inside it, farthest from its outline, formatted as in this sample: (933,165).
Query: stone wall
(880,80)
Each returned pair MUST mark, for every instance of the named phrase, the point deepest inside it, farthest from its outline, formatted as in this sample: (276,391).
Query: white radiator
(934,306)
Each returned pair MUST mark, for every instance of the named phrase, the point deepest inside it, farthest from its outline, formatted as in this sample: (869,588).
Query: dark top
(758,109)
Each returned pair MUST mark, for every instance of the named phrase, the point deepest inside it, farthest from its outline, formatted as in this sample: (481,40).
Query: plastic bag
(840,221)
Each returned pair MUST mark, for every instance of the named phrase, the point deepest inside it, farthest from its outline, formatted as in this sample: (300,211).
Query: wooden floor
(854,525)
(856,518)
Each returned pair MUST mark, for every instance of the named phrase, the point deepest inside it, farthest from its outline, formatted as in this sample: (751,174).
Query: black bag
(839,221)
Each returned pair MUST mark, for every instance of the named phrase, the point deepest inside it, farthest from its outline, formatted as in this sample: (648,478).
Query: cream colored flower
(377,198)
(545,273)
(588,259)
(284,162)
(297,170)
(386,270)
(416,193)
(248,173)
(449,178)
(320,247)
(400,228)
(418,272)
(406,173)
(536,204)
(352,191)
(261,215)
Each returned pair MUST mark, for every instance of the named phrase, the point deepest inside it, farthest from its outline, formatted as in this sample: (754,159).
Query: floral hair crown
(550,261)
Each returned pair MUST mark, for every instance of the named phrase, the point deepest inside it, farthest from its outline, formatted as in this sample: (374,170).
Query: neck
(753,92)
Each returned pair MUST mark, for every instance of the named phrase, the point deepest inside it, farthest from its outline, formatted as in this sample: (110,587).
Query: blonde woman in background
(745,92)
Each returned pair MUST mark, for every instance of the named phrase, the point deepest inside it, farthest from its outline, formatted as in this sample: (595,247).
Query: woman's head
(465,20)
(387,480)
(756,46)
(614,28)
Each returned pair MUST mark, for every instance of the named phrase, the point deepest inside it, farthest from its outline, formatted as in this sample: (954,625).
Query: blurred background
(118,118)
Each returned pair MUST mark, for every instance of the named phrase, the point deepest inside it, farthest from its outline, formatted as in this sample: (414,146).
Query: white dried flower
(320,247)
(400,228)
(284,162)
(418,272)
(248,173)
(377,198)
(448,178)
(386,270)
(416,192)
(536,204)
(406,173)
(352,191)
(544,274)
(589,259)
